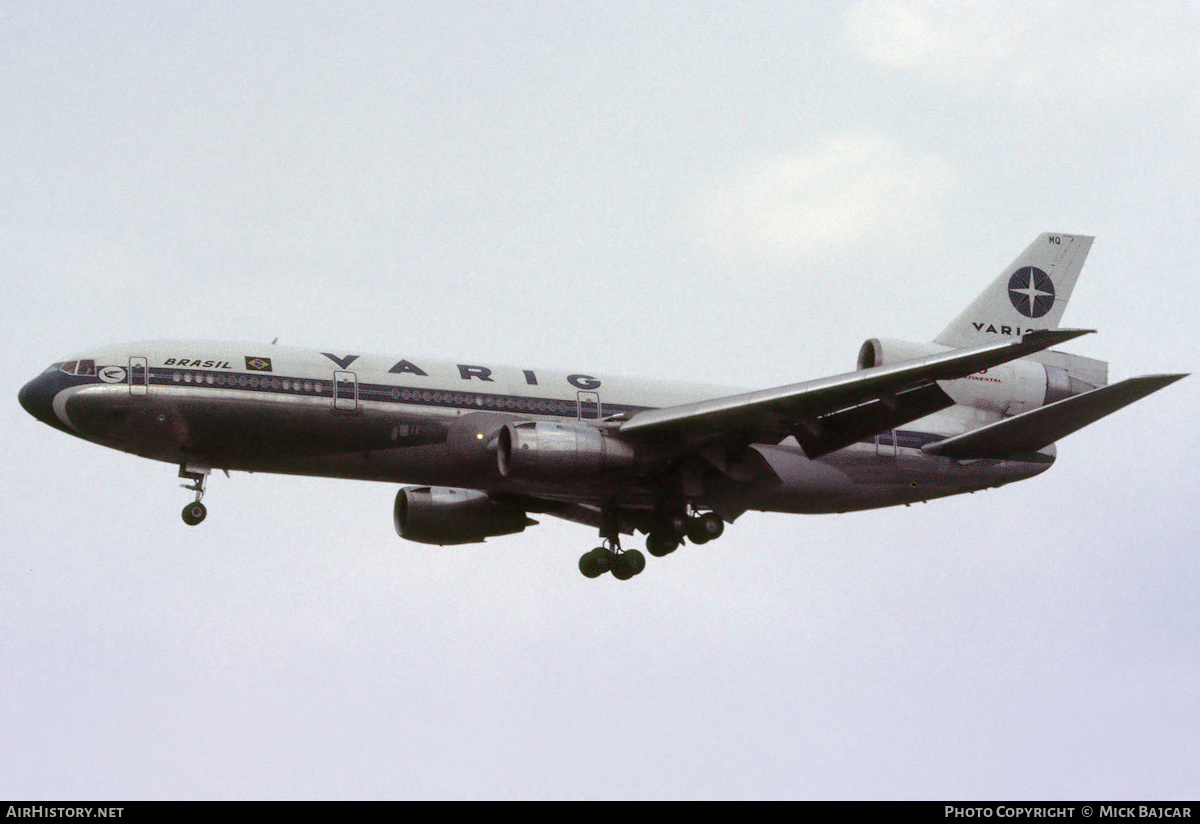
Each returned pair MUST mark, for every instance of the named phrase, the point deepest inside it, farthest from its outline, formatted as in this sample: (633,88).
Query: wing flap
(851,405)
(1038,428)
(840,429)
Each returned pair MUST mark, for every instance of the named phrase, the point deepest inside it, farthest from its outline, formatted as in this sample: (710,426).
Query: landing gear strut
(194,512)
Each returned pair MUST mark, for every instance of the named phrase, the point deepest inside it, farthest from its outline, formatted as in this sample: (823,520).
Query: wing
(830,413)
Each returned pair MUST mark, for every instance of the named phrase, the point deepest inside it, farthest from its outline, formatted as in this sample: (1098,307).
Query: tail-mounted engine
(1009,389)
(443,515)
(547,451)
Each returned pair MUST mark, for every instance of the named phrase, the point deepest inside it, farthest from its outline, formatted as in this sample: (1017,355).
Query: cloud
(1042,50)
(827,197)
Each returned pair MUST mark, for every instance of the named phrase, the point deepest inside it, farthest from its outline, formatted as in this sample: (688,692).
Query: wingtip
(1038,339)
(1167,380)
(1055,335)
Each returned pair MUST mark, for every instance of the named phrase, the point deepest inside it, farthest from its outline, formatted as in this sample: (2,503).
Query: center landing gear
(699,528)
(194,512)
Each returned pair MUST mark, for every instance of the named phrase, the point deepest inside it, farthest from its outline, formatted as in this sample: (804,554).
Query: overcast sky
(735,193)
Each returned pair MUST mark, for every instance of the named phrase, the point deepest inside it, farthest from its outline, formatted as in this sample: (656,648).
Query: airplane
(483,447)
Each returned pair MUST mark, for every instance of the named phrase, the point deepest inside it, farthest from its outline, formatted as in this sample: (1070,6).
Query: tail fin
(1030,294)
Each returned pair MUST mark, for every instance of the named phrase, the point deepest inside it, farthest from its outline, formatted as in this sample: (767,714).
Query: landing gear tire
(623,565)
(609,557)
(628,564)
(659,544)
(194,513)
(704,528)
(595,563)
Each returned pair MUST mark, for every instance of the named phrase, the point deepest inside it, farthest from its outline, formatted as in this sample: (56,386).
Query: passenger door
(345,392)
(139,377)
(589,406)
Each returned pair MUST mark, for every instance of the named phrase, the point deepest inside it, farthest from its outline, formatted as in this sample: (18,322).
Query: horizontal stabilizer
(1038,428)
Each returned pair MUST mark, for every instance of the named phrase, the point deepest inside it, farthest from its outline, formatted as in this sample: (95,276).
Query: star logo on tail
(1031,291)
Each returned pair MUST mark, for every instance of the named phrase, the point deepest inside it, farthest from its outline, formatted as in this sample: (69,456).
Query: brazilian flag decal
(258,364)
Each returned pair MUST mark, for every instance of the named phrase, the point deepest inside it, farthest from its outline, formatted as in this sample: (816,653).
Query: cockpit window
(54,367)
(80,367)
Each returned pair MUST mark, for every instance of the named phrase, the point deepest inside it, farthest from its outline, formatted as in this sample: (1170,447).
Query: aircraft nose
(37,398)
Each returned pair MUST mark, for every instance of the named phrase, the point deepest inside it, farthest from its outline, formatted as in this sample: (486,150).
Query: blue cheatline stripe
(379,393)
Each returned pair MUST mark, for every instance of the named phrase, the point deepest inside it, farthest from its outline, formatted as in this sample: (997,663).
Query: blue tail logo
(1031,291)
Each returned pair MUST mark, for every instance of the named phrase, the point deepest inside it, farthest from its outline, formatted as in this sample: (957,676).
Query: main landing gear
(194,512)
(611,558)
(699,528)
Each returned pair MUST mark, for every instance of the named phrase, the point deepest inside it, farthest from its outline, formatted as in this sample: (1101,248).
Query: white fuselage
(406,419)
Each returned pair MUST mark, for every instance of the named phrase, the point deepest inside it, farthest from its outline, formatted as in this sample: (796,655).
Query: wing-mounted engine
(549,451)
(1008,389)
(443,515)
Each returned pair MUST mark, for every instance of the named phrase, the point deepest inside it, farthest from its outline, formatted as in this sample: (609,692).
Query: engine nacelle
(1009,389)
(444,515)
(885,352)
(548,451)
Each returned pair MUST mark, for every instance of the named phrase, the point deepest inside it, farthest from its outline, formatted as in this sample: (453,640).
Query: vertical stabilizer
(1031,293)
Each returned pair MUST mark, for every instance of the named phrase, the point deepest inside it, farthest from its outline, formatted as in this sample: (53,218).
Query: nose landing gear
(194,512)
